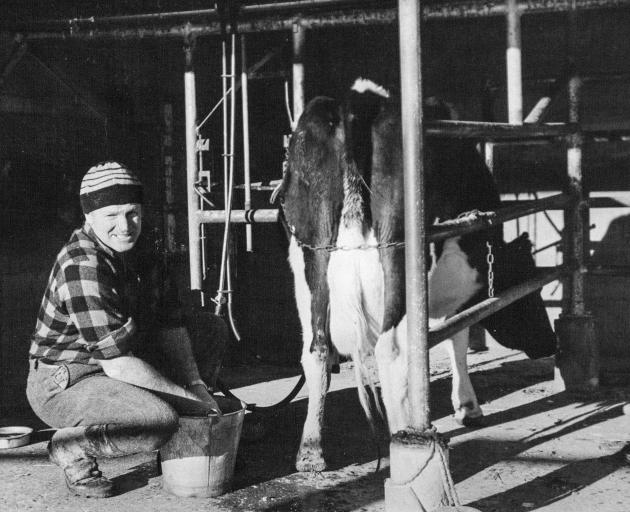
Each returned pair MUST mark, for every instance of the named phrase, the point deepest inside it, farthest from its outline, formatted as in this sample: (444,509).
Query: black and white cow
(342,198)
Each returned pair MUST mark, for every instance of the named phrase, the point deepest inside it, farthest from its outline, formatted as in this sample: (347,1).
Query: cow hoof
(310,462)
(469,417)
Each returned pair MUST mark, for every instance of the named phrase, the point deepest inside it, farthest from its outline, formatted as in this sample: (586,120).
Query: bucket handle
(214,411)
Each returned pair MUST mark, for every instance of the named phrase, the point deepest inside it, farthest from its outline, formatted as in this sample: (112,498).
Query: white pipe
(228,163)
(299,38)
(246,168)
(194,242)
(238,216)
(513,63)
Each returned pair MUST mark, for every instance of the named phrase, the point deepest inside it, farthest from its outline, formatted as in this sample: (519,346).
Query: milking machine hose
(223,387)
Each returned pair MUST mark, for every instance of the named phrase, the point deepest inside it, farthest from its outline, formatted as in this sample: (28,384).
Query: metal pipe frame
(299,40)
(247,204)
(576,213)
(167,163)
(415,214)
(190,98)
(237,216)
(458,227)
(434,233)
(540,110)
(491,305)
(513,63)
(272,18)
(498,131)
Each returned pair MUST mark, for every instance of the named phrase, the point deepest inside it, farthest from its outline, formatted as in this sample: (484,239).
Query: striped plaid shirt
(85,314)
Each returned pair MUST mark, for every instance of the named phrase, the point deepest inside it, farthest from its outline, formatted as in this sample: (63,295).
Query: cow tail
(364,380)
(364,377)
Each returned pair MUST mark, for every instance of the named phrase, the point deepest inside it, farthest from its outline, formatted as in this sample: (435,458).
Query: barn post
(577,358)
(418,459)
(190,99)
(513,63)
(299,40)
(167,163)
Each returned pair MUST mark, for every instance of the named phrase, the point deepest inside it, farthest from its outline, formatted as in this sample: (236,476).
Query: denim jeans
(73,395)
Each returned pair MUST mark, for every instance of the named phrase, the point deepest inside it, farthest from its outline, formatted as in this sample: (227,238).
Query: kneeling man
(89,372)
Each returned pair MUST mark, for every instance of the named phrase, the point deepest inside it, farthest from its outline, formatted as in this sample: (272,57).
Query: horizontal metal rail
(621,200)
(475,221)
(498,131)
(238,216)
(279,17)
(471,223)
(491,305)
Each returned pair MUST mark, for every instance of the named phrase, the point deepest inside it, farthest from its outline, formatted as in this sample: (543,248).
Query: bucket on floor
(199,459)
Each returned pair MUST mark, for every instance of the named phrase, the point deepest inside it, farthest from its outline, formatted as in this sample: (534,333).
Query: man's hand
(201,392)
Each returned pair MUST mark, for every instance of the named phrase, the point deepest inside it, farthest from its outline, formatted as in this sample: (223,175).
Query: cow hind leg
(316,370)
(310,456)
(465,404)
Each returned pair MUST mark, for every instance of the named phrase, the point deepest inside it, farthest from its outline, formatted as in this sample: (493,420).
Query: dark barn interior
(74,92)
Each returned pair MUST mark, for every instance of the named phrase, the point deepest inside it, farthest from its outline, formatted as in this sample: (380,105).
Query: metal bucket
(199,459)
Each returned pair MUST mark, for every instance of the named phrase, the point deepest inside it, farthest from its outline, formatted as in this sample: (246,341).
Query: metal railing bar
(442,231)
(470,224)
(489,306)
(238,216)
(498,131)
(268,18)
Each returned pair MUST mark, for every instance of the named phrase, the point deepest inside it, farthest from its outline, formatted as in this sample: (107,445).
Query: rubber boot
(74,450)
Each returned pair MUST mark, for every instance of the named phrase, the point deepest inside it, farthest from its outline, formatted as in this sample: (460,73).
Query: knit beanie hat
(109,183)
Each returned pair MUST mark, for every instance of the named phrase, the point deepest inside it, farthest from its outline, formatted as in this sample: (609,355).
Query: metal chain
(490,260)
(362,247)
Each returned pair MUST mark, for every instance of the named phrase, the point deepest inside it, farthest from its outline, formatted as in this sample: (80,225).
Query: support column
(190,98)
(418,458)
(299,39)
(577,359)
(167,162)
(513,64)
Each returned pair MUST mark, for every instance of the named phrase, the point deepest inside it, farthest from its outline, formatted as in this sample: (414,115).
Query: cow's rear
(343,202)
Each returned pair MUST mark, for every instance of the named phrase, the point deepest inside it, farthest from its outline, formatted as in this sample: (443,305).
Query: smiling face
(117,226)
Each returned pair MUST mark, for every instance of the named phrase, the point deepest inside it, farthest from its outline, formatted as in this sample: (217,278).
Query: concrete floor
(538,451)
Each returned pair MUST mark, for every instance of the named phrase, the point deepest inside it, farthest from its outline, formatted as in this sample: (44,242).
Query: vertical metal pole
(513,63)
(415,264)
(167,161)
(576,214)
(299,39)
(418,459)
(577,358)
(246,167)
(578,211)
(190,98)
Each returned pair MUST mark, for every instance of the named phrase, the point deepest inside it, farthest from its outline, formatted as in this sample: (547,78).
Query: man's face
(117,226)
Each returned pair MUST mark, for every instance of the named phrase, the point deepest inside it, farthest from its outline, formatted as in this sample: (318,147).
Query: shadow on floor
(347,437)
(554,486)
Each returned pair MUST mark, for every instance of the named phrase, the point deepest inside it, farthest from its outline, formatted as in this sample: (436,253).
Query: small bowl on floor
(14,437)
